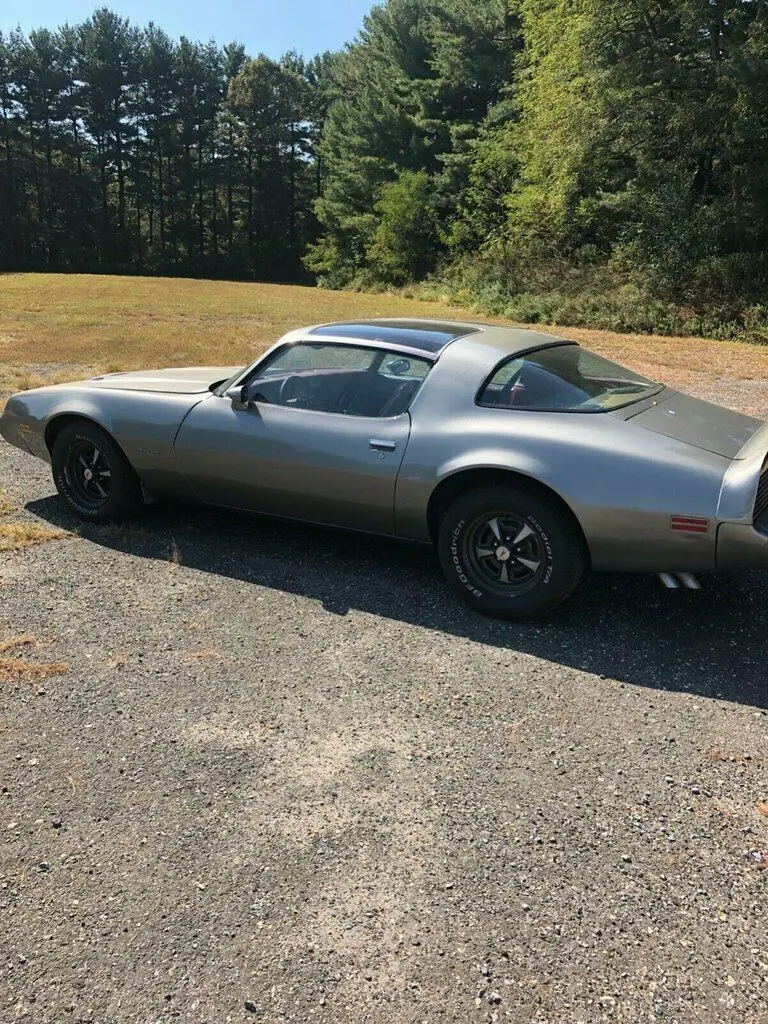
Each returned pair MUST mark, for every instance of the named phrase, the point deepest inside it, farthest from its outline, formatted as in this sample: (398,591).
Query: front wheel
(510,551)
(93,475)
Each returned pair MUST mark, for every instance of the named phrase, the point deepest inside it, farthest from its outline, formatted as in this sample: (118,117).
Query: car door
(305,463)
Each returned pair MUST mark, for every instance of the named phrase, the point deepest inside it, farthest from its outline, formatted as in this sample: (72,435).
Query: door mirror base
(238,396)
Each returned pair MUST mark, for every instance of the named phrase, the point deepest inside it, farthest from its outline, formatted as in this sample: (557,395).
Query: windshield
(565,378)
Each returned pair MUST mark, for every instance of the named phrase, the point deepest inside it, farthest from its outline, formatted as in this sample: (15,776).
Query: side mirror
(238,395)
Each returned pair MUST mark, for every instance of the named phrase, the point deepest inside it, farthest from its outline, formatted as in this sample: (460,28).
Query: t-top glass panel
(415,334)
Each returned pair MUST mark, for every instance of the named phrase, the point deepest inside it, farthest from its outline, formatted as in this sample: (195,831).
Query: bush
(755,321)
(405,241)
(591,296)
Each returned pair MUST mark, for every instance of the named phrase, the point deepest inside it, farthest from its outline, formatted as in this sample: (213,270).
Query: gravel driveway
(285,776)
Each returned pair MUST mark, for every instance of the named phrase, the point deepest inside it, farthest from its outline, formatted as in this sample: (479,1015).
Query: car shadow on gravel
(626,627)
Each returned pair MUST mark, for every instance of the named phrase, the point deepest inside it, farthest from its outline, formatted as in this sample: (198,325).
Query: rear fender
(623,500)
(737,495)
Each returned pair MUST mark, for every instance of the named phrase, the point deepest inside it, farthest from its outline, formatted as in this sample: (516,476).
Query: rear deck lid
(698,423)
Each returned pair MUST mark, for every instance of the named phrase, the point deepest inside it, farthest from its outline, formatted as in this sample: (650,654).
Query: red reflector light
(689,524)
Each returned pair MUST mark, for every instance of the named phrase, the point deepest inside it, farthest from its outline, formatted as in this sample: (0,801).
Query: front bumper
(14,429)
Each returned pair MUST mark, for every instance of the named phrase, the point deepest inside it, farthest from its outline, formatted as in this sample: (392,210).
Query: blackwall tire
(510,551)
(93,476)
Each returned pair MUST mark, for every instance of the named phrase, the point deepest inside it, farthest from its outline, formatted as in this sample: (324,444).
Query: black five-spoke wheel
(93,475)
(511,550)
(88,473)
(505,551)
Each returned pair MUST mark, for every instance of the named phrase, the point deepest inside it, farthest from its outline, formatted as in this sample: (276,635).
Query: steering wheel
(289,390)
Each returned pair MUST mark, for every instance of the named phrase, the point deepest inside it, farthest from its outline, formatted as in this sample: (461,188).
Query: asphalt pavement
(281,774)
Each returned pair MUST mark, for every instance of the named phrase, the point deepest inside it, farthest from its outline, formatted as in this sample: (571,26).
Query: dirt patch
(13,670)
(14,642)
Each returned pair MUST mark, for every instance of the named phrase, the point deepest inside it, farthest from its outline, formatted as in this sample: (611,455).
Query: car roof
(429,337)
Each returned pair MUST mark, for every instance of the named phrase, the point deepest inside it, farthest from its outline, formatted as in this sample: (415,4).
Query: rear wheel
(511,552)
(93,475)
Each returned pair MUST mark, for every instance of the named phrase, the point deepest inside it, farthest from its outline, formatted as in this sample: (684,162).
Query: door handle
(382,445)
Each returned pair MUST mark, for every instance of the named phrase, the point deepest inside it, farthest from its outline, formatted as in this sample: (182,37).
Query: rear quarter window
(564,378)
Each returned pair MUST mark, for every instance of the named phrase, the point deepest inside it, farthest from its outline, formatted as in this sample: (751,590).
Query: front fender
(14,428)
(143,424)
(40,419)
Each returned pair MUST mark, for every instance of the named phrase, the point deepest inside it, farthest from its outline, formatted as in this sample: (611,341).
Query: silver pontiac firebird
(525,458)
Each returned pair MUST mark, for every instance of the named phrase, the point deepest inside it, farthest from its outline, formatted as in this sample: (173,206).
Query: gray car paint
(622,473)
(699,423)
(187,380)
(266,458)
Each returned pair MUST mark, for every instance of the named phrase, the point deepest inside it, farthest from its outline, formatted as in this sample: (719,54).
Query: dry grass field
(56,327)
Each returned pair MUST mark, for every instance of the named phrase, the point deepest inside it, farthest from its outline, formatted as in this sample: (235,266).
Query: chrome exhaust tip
(670,582)
(689,580)
(674,581)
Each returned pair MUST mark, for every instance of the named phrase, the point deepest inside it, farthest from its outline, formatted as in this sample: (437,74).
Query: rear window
(565,378)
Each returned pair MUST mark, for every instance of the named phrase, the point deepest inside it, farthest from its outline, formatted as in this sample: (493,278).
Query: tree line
(123,149)
(595,161)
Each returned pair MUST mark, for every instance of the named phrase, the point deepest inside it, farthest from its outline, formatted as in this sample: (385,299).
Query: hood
(188,380)
(698,423)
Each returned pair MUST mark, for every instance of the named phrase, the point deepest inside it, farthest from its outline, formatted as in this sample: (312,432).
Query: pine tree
(414,91)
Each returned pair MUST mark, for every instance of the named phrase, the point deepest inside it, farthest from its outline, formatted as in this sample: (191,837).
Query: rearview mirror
(238,395)
(399,366)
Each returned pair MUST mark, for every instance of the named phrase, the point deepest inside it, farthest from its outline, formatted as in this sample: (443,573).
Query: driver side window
(345,379)
(309,356)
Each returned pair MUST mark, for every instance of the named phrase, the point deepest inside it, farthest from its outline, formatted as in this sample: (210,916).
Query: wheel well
(57,424)
(449,489)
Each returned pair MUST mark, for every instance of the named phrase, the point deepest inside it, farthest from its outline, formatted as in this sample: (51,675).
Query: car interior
(565,385)
(534,387)
(354,392)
